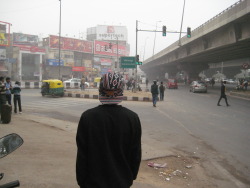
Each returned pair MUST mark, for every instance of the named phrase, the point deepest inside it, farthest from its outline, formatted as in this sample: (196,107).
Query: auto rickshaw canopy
(54,83)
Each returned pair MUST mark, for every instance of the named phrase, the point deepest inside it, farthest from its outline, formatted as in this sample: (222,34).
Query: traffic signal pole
(136,41)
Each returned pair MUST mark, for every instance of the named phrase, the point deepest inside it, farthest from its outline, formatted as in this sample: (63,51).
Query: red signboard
(104,48)
(32,49)
(78,69)
(71,44)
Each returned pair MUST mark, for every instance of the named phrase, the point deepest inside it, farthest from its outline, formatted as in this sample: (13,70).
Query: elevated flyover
(224,37)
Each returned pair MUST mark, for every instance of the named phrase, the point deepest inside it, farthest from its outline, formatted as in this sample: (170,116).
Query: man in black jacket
(155,92)
(223,93)
(108,140)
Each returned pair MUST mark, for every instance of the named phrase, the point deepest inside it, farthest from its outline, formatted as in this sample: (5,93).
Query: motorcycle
(8,144)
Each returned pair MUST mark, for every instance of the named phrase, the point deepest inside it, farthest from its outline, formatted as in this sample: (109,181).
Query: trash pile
(180,168)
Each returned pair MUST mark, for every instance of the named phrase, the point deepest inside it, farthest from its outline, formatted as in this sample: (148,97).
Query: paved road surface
(187,122)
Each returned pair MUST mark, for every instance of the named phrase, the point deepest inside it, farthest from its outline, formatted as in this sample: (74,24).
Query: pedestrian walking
(2,93)
(17,97)
(245,84)
(223,93)
(108,140)
(212,82)
(146,82)
(154,91)
(83,83)
(8,87)
(162,90)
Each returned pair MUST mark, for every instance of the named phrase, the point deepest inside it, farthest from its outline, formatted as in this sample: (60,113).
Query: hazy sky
(41,17)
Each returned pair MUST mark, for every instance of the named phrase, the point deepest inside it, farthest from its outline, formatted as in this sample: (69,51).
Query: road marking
(178,122)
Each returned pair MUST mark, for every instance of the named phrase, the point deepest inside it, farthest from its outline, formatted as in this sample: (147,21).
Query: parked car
(198,86)
(75,80)
(172,83)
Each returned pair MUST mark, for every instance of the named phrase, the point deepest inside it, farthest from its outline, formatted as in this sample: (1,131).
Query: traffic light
(164,31)
(188,32)
(137,58)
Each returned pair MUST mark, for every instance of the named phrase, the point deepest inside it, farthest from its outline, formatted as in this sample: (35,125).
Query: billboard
(78,69)
(106,62)
(2,54)
(105,32)
(25,39)
(104,48)
(32,49)
(54,62)
(4,33)
(71,44)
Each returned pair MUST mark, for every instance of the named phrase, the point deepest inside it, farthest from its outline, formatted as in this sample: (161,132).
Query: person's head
(161,83)
(7,79)
(111,88)
(154,81)
(224,82)
(1,78)
(17,83)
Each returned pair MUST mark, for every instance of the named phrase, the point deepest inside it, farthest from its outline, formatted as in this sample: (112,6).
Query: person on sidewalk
(154,91)
(162,90)
(108,140)
(223,93)
(17,97)
(2,93)
(8,87)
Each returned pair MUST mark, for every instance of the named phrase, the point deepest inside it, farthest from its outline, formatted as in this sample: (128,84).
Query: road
(185,122)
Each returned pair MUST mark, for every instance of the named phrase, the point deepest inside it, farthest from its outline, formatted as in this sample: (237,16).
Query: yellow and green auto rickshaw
(52,87)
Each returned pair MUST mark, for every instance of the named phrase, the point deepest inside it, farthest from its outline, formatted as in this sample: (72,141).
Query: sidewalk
(47,157)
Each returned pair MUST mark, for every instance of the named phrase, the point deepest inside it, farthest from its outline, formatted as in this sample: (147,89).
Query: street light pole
(182,22)
(60,41)
(155,38)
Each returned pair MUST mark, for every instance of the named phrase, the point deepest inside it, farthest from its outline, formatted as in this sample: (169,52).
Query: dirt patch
(180,171)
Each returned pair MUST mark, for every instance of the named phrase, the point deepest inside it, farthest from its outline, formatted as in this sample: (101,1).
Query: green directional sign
(128,62)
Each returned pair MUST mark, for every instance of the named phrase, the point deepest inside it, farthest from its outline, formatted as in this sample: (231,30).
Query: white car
(231,81)
(75,80)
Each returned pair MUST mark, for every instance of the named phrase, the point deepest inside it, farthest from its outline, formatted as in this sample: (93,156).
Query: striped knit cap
(111,88)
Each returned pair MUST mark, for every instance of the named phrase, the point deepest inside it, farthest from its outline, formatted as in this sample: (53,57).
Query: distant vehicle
(75,80)
(172,83)
(208,80)
(231,81)
(198,86)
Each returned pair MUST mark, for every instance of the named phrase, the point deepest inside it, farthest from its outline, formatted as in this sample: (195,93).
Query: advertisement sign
(32,49)
(4,33)
(2,54)
(106,62)
(105,32)
(54,62)
(105,70)
(103,48)
(4,39)
(78,69)
(71,44)
(69,64)
(25,39)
